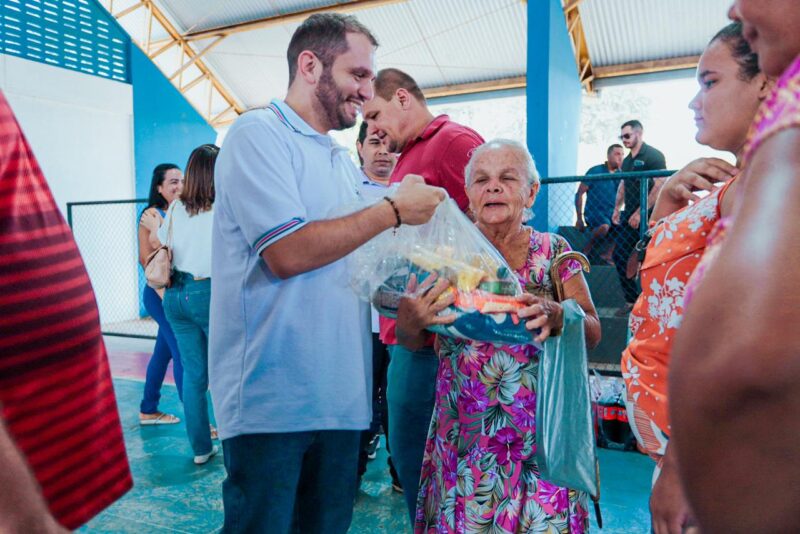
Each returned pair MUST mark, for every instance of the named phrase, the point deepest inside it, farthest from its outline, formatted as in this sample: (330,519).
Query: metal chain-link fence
(609,245)
(106,233)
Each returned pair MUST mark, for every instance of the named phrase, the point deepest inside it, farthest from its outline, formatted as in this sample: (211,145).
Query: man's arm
(652,196)
(22,507)
(319,243)
(618,202)
(658,163)
(257,189)
(735,371)
(582,190)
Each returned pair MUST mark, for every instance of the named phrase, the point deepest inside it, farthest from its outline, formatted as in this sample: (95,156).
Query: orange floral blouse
(673,253)
(672,267)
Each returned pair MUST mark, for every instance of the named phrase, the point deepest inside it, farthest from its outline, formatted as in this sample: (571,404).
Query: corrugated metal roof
(630,31)
(441,42)
(195,15)
(438,42)
(253,64)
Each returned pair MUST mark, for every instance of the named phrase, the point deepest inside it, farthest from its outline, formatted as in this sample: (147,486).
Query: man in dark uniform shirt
(642,157)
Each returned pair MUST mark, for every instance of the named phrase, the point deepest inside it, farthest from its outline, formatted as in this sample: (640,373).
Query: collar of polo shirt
(292,120)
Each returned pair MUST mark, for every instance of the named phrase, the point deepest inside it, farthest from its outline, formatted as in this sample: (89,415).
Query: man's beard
(330,103)
(396,146)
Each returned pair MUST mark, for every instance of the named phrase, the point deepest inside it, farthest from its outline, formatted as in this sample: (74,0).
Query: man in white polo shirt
(290,351)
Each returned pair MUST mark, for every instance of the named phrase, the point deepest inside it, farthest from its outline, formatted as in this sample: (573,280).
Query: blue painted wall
(166,127)
(71,34)
(554,108)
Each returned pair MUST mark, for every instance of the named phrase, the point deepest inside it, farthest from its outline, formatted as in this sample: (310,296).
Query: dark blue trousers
(166,349)
(288,483)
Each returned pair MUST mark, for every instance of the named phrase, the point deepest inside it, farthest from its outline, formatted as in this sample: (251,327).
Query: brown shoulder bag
(158,267)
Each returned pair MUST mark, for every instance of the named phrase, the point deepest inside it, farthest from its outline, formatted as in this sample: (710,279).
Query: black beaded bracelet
(396,211)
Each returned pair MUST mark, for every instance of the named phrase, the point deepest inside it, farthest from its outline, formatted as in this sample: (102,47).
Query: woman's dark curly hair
(732,36)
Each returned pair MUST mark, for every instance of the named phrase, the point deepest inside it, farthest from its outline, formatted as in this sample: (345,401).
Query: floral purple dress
(479,473)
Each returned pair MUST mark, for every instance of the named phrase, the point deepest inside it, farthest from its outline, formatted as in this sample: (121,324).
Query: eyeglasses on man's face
(626,136)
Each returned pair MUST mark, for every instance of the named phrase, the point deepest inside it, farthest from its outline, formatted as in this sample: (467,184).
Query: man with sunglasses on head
(642,157)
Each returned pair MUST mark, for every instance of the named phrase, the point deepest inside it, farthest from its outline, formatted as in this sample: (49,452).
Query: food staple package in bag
(565,445)
(450,246)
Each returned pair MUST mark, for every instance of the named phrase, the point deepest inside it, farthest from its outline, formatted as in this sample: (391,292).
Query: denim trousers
(380,412)
(186,305)
(289,483)
(410,392)
(165,349)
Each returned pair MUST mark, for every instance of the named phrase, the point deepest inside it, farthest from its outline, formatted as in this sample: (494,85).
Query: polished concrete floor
(171,494)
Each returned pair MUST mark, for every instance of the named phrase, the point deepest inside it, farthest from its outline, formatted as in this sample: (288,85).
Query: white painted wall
(81,130)
(662,105)
(80,127)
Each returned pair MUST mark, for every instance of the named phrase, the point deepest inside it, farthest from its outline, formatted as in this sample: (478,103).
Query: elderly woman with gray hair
(479,469)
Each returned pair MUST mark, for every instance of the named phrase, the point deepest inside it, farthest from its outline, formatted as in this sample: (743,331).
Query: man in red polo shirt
(62,458)
(437,149)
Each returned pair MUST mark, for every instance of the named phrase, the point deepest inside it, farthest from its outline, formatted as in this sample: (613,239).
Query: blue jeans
(380,413)
(166,348)
(410,392)
(186,305)
(286,483)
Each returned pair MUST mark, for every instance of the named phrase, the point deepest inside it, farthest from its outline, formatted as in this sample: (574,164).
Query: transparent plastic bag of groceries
(450,245)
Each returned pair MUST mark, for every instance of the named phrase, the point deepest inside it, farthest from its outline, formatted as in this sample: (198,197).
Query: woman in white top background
(186,301)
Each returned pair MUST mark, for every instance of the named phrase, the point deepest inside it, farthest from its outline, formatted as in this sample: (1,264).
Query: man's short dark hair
(636,125)
(362,135)
(362,132)
(612,147)
(324,34)
(388,81)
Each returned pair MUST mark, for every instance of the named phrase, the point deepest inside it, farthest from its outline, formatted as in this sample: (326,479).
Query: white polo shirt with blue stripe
(284,355)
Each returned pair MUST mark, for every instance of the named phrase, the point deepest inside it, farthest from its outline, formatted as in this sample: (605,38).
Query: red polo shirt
(439,155)
(56,395)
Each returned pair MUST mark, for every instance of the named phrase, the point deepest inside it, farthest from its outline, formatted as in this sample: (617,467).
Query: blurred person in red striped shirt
(62,456)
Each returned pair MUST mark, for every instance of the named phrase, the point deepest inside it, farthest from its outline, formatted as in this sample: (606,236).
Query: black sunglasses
(626,136)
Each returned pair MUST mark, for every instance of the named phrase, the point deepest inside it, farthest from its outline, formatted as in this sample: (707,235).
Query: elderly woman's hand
(546,314)
(419,309)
